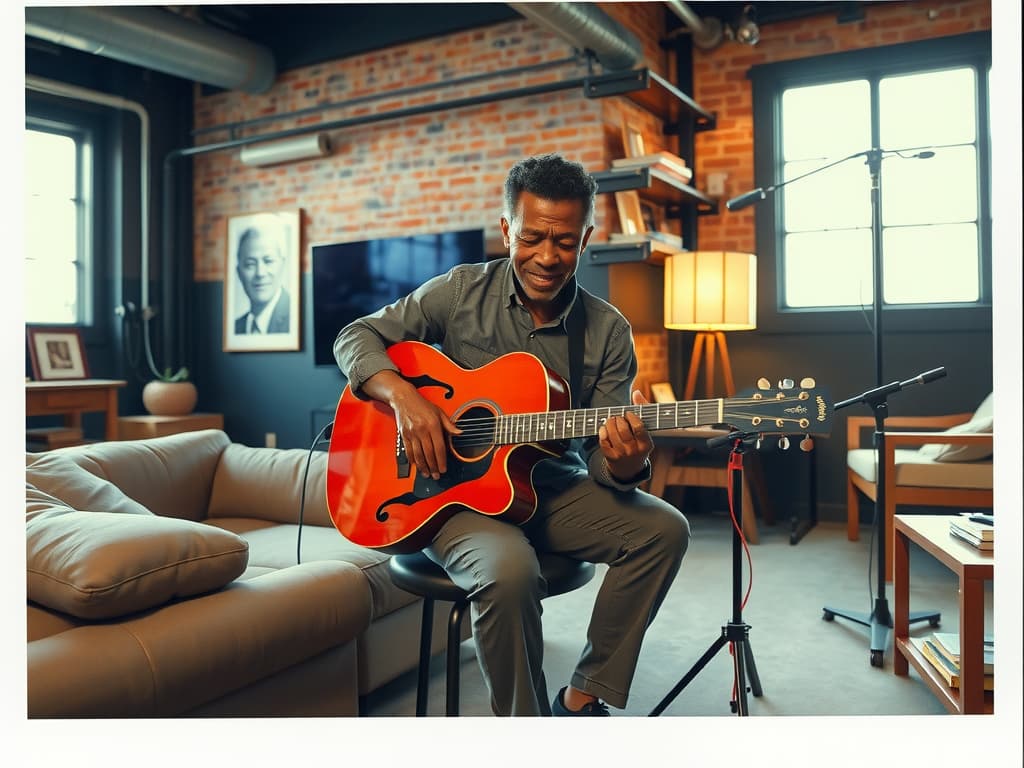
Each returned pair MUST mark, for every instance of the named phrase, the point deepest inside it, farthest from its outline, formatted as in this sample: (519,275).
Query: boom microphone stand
(880,620)
(736,630)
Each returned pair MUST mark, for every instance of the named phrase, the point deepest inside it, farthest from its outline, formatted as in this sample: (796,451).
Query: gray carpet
(806,666)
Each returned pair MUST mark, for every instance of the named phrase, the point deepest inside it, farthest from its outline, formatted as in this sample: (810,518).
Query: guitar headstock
(789,408)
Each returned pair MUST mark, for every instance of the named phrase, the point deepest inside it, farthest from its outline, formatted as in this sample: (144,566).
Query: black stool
(420,575)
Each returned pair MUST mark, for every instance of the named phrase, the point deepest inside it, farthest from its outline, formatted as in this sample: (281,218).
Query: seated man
(589,506)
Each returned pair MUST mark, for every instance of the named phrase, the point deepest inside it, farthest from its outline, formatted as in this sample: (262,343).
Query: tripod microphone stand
(736,630)
(880,620)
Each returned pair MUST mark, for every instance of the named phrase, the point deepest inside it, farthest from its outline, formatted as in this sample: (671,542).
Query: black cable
(324,434)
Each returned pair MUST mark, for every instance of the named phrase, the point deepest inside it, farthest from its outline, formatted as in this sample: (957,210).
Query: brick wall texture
(443,170)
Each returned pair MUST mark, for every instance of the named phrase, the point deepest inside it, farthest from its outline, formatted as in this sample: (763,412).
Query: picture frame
(662,392)
(650,214)
(262,278)
(631,216)
(632,138)
(57,353)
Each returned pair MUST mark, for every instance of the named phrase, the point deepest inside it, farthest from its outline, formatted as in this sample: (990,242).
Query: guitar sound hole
(477,424)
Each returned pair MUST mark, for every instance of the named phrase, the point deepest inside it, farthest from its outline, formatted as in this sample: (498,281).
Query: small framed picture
(57,353)
(262,273)
(631,216)
(632,138)
(651,216)
(662,392)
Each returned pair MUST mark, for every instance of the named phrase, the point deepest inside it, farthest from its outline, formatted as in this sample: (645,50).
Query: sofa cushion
(58,475)
(100,565)
(981,422)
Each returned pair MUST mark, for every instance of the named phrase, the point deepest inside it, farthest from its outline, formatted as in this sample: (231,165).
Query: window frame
(769,81)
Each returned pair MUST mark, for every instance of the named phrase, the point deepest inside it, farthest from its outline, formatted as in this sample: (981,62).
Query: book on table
(980,535)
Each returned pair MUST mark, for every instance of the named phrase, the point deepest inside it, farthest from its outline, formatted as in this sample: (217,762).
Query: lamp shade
(711,291)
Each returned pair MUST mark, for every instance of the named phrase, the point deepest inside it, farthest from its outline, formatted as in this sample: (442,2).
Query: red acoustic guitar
(513,413)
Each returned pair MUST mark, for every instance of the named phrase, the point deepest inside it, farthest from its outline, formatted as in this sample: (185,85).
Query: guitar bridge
(401,459)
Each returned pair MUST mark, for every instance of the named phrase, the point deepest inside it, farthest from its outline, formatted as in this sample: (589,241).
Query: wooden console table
(141,427)
(73,398)
(973,567)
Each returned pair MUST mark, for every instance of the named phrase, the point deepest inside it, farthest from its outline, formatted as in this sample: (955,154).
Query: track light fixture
(746,30)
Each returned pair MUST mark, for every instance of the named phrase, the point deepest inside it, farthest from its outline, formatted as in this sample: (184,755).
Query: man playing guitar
(588,505)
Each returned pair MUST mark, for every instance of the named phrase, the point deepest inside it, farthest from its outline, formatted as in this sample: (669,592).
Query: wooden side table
(973,567)
(73,398)
(141,427)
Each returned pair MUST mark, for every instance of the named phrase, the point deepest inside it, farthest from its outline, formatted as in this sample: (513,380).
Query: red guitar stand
(736,630)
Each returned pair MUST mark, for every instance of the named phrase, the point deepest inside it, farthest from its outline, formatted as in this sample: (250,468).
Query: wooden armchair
(913,478)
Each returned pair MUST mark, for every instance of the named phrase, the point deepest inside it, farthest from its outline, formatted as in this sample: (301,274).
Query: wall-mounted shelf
(653,93)
(657,187)
(648,252)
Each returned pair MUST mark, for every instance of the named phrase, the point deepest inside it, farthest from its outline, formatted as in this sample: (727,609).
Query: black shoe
(596,708)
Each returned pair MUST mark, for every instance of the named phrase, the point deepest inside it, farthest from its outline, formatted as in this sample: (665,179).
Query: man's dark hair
(550,177)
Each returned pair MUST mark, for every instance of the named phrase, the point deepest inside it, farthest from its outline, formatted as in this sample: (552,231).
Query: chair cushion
(981,421)
(913,469)
(100,565)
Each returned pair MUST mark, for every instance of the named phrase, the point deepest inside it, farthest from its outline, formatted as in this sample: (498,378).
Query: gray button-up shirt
(474,315)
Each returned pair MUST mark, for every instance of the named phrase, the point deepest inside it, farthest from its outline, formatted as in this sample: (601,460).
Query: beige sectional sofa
(168,577)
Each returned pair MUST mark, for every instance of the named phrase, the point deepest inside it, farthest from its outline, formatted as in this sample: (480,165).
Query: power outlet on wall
(271,439)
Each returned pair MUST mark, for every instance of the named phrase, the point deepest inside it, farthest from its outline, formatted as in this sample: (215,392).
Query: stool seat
(420,575)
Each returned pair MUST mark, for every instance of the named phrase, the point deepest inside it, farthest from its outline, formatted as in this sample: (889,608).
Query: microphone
(924,155)
(927,377)
(746,199)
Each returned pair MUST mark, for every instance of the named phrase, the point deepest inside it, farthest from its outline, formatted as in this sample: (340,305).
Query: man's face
(545,240)
(260,268)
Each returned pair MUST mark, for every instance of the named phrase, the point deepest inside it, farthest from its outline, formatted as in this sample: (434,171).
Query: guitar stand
(736,630)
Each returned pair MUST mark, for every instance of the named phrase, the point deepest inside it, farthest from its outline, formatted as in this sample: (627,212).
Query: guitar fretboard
(585,422)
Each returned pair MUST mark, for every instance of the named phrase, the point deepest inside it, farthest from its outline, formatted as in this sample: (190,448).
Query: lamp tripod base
(879,621)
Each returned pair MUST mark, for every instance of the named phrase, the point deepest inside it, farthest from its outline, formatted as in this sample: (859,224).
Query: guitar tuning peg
(763,383)
(757,443)
(786,384)
(807,445)
(808,383)
(783,443)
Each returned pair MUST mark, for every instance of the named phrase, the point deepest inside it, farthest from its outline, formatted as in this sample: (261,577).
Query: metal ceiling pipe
(587,27)
(706,33)
(160,40)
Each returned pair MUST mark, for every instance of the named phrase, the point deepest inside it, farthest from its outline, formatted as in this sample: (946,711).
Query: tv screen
(354,279)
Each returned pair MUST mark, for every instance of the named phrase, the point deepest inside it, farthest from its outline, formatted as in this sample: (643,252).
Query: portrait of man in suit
(261,267)
(261,282)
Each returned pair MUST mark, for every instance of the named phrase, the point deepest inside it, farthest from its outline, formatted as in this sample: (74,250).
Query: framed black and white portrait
(262,281)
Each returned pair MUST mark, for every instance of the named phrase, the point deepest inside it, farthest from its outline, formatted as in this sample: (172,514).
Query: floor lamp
(879,620)
(710,292)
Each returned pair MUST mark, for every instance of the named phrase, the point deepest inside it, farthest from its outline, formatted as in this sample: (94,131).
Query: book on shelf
(948,645)
(666,162)
(946,669)
(662,237)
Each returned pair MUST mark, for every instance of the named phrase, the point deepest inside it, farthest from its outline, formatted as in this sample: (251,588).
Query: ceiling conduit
(588,28)
(159,40)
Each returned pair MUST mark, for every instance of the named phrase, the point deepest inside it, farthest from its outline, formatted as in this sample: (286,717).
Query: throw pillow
(100,565)
(981,421)
(59,476)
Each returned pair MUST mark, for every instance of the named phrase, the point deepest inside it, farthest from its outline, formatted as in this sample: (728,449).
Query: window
(57,225)
(918,115)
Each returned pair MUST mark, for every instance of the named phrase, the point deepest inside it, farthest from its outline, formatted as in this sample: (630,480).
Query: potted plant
(170,394)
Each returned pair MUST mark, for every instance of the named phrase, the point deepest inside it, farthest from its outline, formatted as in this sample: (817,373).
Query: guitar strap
(576,333)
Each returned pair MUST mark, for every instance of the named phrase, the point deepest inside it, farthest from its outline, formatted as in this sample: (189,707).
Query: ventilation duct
(705,33)
(287,150)
(587,27)
(159,40)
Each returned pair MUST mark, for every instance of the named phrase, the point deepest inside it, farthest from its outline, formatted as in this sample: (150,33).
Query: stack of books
(977,530)
(942,649)
(665,162)
(664,242)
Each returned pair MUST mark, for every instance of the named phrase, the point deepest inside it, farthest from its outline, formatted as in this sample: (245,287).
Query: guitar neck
(515,428)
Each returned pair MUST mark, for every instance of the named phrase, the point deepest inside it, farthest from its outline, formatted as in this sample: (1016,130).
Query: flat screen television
(354,279)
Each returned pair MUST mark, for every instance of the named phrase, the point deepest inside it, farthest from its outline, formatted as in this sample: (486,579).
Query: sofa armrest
(176,658)
(854,425)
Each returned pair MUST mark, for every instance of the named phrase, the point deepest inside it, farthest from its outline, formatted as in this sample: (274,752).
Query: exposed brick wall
(434,172)
(721,86)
